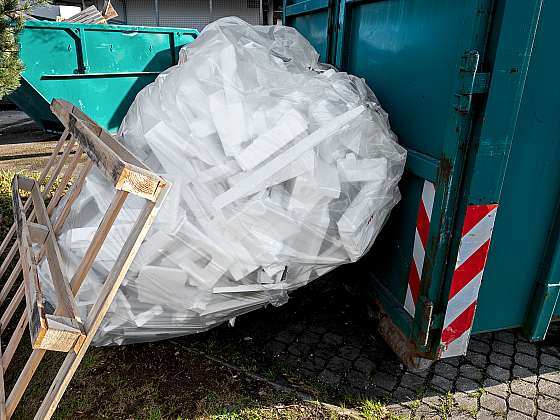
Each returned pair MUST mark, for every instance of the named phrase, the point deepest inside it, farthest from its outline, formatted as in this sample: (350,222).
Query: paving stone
(549,388)
(550,360)
(425,411)
(323,354)
(399,411)
(349,352)
(516,415)
(541,415)
(318,329)
(466,402)
(521,404)
(493,403)
(357,379)
(442,383)
(526,360)
(364,365)
(446,370)
(309,338)
(329,378)
(297,328)
(505,336)
(299,349)
(497,372)
(315,364)
(339,365)
(479,346)
(412,381)
(548,404)
(403,395)
(528,348)
(552,350)
(454,361)
(552,376)
(484,414)
(523,388)
(384,380)
(466,385)
(285,337)
(275,347)
(501,347)
(471,372)
(476,359)
(502,360)
(524,373)
(356,340)
(332,339)
(461,416)
(498,388)
(485,337)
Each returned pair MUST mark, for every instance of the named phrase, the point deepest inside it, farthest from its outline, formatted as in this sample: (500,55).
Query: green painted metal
(100,68)
(462,80)
(523,267)
(392,44)
(314,18)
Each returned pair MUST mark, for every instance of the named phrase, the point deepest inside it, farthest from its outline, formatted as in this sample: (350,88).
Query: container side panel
(313,27)
(407,50)
(530,192)
(111,52)
(100,68)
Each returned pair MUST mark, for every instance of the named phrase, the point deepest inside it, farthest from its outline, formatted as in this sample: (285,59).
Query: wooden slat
(38,232)
(65,298)
(3,415)
(123,175)
(23,380)
(14,342)
(58,168)
(42,177)
(10,282)
(128,175)
(101,306)
(72,196)
(97,240)
(65,180)
(12,306)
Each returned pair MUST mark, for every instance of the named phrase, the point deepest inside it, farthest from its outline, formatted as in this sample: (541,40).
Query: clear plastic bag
(282,170)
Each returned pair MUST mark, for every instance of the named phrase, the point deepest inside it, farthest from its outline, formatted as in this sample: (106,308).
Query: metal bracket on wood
(57,326)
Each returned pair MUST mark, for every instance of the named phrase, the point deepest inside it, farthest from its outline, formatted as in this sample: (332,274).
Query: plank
(97,240)
(123,175)
(3,415)
(100,308)
(65,180)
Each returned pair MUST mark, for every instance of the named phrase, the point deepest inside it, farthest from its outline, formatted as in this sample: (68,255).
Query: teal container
(100,68)
(470,88)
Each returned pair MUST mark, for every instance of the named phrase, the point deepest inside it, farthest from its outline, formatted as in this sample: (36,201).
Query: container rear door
(422,58)
(314,20)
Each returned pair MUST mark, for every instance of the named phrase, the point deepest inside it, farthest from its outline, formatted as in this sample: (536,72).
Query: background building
(186,13)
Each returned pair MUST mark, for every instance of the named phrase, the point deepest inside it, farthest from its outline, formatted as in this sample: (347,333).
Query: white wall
(190,13)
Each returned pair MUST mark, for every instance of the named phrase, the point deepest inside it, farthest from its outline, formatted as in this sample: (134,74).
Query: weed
(373,410)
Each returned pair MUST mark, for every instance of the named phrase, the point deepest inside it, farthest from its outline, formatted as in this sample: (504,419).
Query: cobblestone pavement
(322,343)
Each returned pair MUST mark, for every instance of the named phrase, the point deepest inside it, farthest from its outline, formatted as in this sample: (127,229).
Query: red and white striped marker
(463,296)
(419,250)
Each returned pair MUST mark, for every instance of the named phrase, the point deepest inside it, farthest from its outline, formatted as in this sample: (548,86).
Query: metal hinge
(471,81)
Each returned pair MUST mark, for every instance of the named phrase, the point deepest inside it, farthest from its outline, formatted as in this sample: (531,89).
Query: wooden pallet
(57,326)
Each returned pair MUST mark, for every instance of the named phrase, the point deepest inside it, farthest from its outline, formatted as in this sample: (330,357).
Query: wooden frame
(61,328)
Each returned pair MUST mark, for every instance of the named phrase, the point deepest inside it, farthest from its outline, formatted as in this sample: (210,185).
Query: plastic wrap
(282,170)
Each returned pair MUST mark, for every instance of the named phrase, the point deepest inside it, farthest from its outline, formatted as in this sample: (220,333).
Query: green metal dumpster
(100,68)
(471,90)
